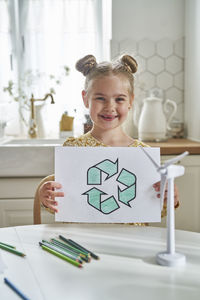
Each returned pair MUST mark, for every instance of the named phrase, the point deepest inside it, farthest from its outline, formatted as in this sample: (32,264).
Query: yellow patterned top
(87,140)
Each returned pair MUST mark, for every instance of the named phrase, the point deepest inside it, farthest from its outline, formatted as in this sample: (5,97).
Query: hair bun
(86,64)
(129,63)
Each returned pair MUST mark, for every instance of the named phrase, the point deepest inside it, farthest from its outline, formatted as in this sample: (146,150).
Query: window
(44,36)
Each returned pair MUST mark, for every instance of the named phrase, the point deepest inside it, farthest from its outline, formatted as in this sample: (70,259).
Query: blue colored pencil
(15,289)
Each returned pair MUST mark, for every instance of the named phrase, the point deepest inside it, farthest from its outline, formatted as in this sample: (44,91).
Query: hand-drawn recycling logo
(110,204)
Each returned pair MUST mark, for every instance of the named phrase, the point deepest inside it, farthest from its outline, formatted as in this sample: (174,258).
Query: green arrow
(109,167)
(127,178)
(94,197)
(109,205)
(93,176)
(127,195)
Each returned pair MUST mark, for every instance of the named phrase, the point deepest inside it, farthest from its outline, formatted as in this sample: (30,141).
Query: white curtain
(53,34)
(5,43)
(8,111)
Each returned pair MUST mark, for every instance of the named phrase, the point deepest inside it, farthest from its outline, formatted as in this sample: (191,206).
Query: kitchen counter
(176,146)
(36,157)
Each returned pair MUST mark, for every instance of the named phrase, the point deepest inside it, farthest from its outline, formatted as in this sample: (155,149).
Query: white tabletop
(126,269)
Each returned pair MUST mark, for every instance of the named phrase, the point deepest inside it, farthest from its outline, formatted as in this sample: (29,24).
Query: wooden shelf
(176,146)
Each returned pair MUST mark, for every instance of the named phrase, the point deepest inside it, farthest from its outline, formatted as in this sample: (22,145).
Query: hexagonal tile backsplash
(161,65)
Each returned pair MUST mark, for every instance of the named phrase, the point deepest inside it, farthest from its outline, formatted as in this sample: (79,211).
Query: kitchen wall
(153,31)
(192,69)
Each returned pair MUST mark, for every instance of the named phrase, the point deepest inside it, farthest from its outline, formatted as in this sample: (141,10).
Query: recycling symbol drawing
(125,195)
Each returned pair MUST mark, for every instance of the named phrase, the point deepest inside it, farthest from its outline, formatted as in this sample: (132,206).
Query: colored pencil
(12,250)
(84,255)
(78,246)
(7,245)
(64,257)
(73,243)
(69,252)
(56,248)
(59,249)
(15,289)
(68,245)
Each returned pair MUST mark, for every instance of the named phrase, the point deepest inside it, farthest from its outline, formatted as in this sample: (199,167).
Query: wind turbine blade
(152,160)
(174,159)
(162,188)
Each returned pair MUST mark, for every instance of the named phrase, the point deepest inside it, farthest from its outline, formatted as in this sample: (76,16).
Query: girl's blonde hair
(126,65)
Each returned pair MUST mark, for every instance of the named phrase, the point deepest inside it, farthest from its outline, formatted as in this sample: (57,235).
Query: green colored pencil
(9,249)
(81,248)
(85,256)
(7,245)
(70,252)
(61,250)
(75,254)
(65,244)
(73,262)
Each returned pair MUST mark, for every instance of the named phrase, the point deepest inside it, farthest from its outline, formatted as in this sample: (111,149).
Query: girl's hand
(156,186)
(47,194)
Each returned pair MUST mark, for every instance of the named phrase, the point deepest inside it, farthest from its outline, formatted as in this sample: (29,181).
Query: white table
(126,269)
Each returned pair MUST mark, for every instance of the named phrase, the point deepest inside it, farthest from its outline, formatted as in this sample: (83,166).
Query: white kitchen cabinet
(17,193)
(187,216)
(16,201)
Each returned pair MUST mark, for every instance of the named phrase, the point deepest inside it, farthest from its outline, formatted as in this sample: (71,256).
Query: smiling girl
(108,94)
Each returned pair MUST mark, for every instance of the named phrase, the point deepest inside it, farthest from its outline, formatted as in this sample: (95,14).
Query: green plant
(21,91)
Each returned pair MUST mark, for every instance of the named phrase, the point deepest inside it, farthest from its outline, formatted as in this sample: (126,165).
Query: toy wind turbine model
(168,172)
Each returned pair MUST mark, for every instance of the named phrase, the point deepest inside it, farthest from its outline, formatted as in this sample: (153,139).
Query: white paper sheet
(107,185)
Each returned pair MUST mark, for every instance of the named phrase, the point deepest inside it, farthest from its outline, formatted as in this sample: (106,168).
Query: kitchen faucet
(33,126)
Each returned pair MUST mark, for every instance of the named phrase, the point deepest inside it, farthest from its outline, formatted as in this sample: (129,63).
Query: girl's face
(109,100)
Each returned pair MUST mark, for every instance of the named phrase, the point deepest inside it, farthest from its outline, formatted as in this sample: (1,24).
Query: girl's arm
(45,196)
(156,186)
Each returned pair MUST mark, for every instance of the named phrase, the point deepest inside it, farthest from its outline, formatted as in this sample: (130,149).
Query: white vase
(40,120)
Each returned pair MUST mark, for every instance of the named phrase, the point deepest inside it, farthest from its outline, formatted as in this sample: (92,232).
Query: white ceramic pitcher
(154,122)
